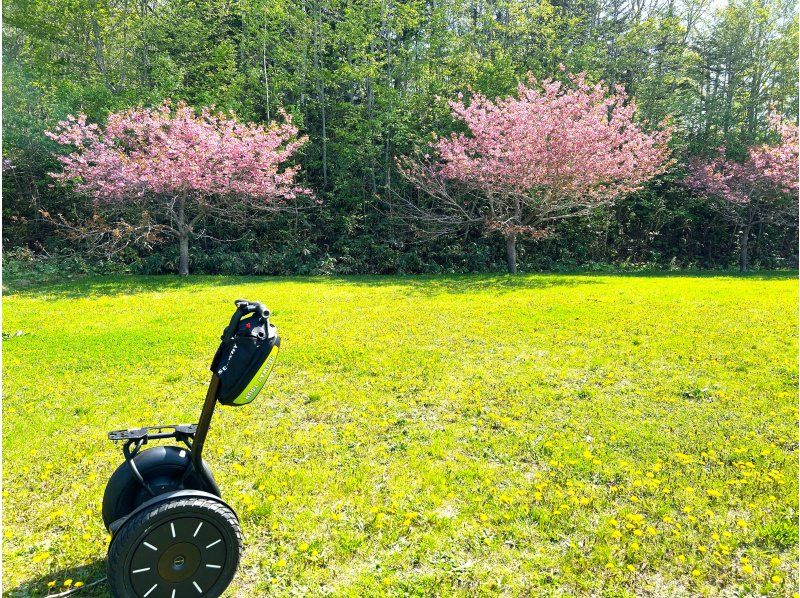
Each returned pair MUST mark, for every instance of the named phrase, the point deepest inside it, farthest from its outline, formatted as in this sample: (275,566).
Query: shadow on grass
(88,574)
(428,284)
(102,286)
(108,286)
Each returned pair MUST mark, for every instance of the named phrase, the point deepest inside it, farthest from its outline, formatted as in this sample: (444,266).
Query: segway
(172,535)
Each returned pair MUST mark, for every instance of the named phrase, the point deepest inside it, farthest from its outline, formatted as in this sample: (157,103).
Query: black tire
(185,546)
(162,467)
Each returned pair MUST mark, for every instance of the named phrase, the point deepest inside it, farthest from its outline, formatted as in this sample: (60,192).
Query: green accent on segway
(257,383)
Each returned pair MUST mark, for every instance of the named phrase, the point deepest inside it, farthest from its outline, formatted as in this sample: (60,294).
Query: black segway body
(172,534)
(162,469)
(245,357)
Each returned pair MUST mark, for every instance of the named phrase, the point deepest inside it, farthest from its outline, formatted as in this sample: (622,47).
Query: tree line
(368,81)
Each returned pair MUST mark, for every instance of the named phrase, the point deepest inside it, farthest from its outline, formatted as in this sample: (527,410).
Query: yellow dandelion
(303,546)
(777,579)
(775,561)
(747,569)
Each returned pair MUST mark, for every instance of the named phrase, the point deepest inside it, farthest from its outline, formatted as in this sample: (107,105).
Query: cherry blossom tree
(551,151)
(762,188)
(157,173)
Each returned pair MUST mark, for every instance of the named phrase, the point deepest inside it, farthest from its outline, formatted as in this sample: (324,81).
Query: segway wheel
(186,546)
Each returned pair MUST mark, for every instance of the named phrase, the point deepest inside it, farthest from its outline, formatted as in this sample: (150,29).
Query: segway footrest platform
(180,432)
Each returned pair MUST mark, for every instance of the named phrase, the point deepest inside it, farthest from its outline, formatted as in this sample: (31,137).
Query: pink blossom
(768,169)
(573,141)
(173,151)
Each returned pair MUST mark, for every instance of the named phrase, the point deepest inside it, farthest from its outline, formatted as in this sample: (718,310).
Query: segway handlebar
(244,308)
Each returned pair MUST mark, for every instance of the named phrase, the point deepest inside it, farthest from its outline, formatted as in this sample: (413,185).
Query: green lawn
(529,435)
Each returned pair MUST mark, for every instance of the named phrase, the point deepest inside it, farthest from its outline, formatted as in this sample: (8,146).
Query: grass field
(534,435)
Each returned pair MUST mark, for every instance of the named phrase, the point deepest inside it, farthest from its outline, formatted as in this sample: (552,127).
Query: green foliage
(448,435)
(368,80)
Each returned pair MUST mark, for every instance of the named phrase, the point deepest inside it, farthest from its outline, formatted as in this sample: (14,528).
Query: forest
(368,82)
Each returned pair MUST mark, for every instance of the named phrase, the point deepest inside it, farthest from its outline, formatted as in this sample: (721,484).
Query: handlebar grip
(252,307)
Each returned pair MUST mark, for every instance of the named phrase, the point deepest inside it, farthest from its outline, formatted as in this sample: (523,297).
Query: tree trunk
(744,240)
(183,237)
(511,252)
(318,67)
(183,242)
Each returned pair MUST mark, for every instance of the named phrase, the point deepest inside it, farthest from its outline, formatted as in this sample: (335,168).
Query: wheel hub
(179,562)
